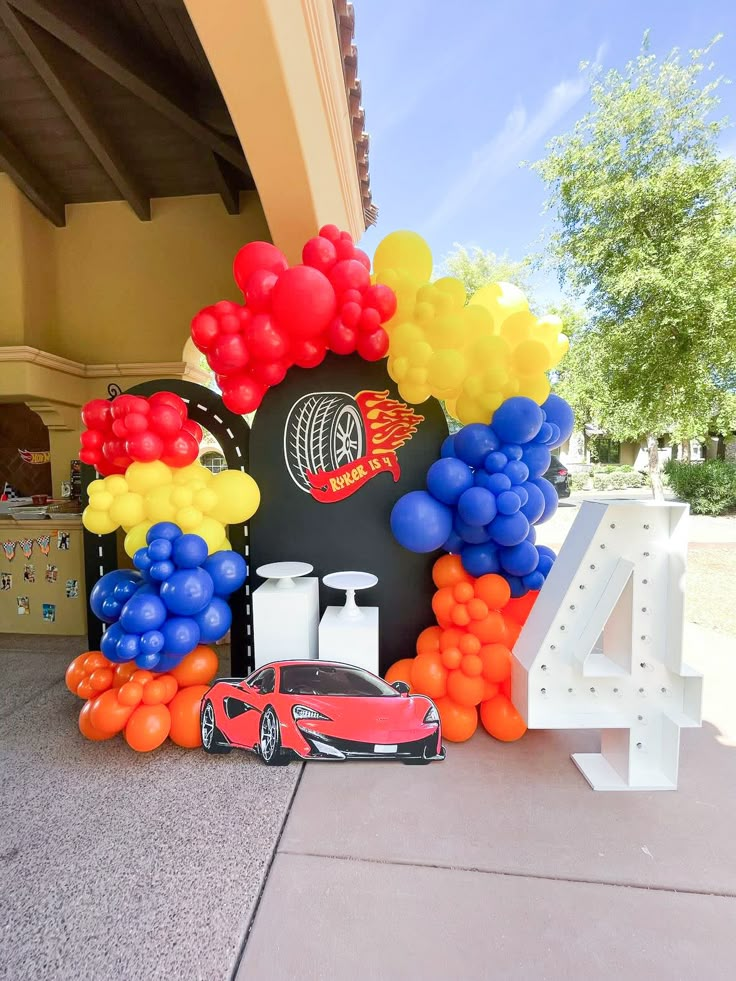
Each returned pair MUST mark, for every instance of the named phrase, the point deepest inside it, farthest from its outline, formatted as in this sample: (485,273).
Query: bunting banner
(9,549)
(44,543)
(26,546)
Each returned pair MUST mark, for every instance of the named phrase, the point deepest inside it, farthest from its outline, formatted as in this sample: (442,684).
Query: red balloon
(256,256)
(229,354)
(164,420)
(344,247)
(136,422)
(370,320)
(168,398)
(194,428)
(144,447)
(331,232)
(349,275)
(90,456)
(96,414)
(308,354)
(205,330)
(350,313)
(123,404)
(303,302)
(180,450)
(381,298)
(258,292)
(361,256)
(265,341)
(319,253)
(119,428)
(269,372)
(342,339)
(242,394)
(91,439)
(373,347)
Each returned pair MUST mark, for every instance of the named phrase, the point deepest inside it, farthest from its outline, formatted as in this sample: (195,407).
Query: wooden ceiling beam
(47,56)
(229,183)
(95,40)
(31,182)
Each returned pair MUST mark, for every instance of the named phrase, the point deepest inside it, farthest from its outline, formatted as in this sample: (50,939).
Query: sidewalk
(501,862)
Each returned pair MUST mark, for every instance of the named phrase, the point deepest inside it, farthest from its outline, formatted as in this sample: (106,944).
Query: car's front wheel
(270,740)
(212,739)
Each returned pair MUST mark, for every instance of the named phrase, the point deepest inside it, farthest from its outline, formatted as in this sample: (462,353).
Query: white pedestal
(285,620)
(350,639)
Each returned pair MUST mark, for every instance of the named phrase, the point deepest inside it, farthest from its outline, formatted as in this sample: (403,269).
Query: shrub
(579,481)
(709,487)
(619,478)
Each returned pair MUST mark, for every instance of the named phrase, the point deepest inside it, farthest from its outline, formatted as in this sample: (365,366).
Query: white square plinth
(350,640)
(285,621)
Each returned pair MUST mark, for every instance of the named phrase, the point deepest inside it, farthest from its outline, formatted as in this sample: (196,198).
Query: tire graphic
(323,432)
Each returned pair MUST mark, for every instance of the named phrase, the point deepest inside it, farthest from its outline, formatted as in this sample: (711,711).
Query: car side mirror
(401,687)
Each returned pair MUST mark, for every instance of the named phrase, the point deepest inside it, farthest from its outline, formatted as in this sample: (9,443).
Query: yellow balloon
(142,477)
(453,288)
(468,410)
(417,376)
(405,251)
(98,522)
(188,518)
(398,368)
(451,406)
(536,387)
(238,496)
(517,327)
(136,538)
(101,501)
(501,299)
(473,386)
(116,484)
(419,354)
(447,370)
(447,331)
(495,378)
(491,401)
(424,314)
(205,499)
(413,392)
(490,352)
(193,473)
(403,336)
(96,487)
(478,322)
(157,504)
(127,510)
(213,533)
(531,357)
(181,497)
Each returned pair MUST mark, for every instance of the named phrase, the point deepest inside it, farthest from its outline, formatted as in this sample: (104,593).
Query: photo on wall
(52,573)
(29,572)
(72,588)
(24,606)
(63,540)
(49,612)
(6,581)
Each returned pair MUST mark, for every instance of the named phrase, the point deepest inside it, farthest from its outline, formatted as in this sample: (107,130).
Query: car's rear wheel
(270,740)
(212,739)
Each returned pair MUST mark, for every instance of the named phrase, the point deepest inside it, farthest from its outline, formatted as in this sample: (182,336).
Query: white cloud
(501,154)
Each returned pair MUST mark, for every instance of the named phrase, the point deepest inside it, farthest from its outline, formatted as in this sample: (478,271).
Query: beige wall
(629,453)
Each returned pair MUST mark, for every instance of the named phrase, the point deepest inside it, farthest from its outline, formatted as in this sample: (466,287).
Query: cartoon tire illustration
(323,432)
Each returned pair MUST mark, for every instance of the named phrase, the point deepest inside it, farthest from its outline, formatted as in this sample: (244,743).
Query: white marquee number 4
(602,648)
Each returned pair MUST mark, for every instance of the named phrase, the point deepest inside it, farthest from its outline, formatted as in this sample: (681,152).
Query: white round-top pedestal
(350,581)
(284,572)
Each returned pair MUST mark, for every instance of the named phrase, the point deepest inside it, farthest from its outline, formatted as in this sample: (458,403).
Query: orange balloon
(451,638)
(148,727)
(199,667)
(460,615)
(464,690)
(443,603)
(170,687)
(493,590)
(86,727)
(124,672)
(94,660)
(400,671)
(101,679)
(75,674)
(463,592)
(451,657)
(469,644)
(429,675)
(153,692)
(501,720)
(492,630)
(428,640)
(491,690)
(448,571)
(85,688)
(458,721)
(496,660)
(505,687)
(184,710)
(142,676)
(130,694)
(519,609)
(471,665)
(513,629)
(477,609)
(107,714)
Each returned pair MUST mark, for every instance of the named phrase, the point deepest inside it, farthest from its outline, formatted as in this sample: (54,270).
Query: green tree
(477,267)
(645,234)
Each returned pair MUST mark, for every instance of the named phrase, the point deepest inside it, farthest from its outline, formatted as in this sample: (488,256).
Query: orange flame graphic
(389,423)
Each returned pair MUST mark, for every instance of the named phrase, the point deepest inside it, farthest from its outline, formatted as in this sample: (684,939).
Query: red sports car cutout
(320,710)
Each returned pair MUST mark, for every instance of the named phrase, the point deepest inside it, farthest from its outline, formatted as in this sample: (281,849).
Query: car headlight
(432,714)
(302,712)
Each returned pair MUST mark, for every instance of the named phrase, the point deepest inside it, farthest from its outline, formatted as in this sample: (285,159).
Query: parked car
(559,476)
(320,710)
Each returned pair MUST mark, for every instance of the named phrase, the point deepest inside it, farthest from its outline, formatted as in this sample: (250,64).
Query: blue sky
(457,94)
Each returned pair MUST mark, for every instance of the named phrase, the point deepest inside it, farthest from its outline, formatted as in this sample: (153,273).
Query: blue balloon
(227,569)
(544,435)
(516,471)
(535,580)
(419,522)
(454,544)
(160,571)
(448,447)
(522,493)
(546,551)
(143,612)
(535,503)
(550,498)
(479,560)
(163,529)
(101,600)
(509,529)
(109,642)
(512,450)
(537,459)
(495,462)
(152,641)
(517,587)
(142,560)
(517,420)
(159,550)
(554,439)
(559,413)
(481,478)
(545,562)
(189,551)
(214,621)
(532,536)
(448,478)
(187,592)
(168,661)
(474,442)
(476,507)
(124,589)
(508,502)
(519,560)
(497,483)
(128,647)
(181,635)
(471,534)
(149,661)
